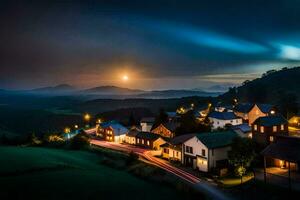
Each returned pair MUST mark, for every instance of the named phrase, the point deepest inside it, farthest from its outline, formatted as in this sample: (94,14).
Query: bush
(80,141)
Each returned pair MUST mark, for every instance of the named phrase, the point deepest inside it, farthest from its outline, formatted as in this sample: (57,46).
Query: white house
(130,137)
(147,123)
(221,119)
(206,151)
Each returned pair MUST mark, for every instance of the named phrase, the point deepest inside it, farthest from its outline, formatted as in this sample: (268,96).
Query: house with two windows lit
(207,151)
(111,131)
(265,129)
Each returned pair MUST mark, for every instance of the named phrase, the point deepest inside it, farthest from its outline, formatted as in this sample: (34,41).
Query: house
(172,150)
(147,123)
(149,140)
(221,119)
(243,130)
(223,108)
(265,129)
(130,137)
(112,131)
(283,152)
(165,130)
(282,156)
(250,112)
(207,151)
(295,122)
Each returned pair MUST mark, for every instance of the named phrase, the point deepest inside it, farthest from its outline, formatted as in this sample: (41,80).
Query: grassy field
(40,173)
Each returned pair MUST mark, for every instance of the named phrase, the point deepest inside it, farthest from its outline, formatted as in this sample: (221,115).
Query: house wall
(217,155)
(119,138)
(163,131)
(264,138)
(157,143)
(244,116)
(146,127)
(165,152)
(174,154)
(255,113)
(218,123)
(197,146)
(130,139)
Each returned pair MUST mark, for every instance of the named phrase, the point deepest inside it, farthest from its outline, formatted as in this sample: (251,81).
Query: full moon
(125,78)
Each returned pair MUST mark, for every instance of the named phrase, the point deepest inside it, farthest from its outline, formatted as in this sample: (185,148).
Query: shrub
(80,141)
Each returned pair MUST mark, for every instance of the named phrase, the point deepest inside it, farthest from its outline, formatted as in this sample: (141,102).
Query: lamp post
(67,131)
(87,118)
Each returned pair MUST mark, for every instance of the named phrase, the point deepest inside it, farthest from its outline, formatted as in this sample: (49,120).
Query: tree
(188,123)
(131,120)
(241,155)
(79,141)
(161,118)
(288,104)
(34,140)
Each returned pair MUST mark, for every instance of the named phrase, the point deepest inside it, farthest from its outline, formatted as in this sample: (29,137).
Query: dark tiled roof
(265,108)
(271,120)
(148,120)
(214,140)
(133,133)
(245,128)
(171,126)
(147,135)
(181,139)
(118,128)
(165,145)
(285,148)
(243,107)
(171,114)
(223,115)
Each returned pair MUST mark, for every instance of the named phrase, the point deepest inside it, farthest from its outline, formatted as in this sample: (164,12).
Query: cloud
(289,52)
(209,38)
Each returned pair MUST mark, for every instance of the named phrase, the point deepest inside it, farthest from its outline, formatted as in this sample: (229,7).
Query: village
(274,140)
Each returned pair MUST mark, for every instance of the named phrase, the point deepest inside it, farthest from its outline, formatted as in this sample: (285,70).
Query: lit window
(282,127)
(255,127)
(274,128)
(271,139)
(142,141)
(138,140)
(148,143)
(262,129)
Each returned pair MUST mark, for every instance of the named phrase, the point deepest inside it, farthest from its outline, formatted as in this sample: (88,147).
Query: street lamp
(87,118)
(67,131)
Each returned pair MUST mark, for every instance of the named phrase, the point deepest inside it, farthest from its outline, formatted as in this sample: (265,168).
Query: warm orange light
(67,130)
(87,117)
(125,78)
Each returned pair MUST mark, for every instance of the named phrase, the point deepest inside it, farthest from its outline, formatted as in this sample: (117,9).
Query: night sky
(157,44)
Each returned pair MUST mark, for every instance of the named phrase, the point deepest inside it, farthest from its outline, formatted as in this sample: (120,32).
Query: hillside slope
(270,88)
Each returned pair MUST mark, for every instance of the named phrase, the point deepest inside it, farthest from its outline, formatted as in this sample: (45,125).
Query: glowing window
(282,127)
(262,129)
(148,143)
(255,127)
(271,139)
(274,128)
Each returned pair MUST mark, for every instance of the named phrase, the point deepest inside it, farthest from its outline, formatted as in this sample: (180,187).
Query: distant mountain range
(113,92)
(62,88)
